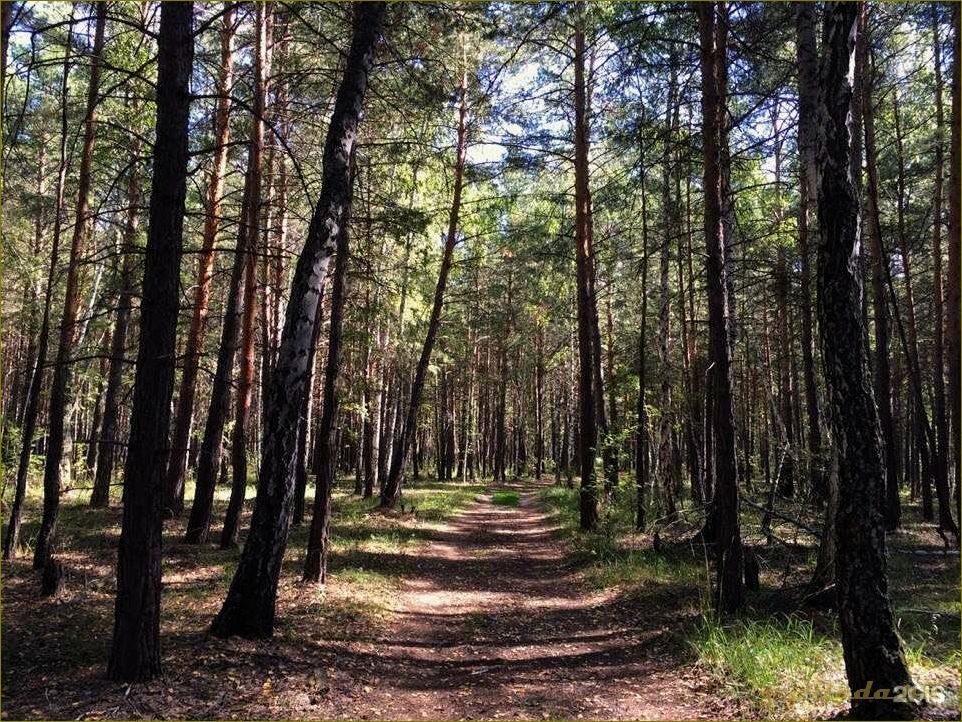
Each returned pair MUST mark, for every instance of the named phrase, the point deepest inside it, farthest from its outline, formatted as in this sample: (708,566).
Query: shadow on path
(495,622)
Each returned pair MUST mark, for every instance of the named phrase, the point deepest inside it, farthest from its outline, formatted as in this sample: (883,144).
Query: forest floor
(482,603)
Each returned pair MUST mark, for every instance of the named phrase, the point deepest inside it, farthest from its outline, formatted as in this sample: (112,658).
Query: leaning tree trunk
(135,650)
(304,423)
(59,390)
(249,607)
(315,564)
(31,410)
(392,486)
(729,590)
(872,650)
(177,466)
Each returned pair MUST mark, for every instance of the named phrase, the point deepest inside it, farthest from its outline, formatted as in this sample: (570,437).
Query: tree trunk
(239,298)
(135,651)
(783,287)
(109,437)
(59,390)
(315,563)
(671,222)
(11,541)
(249,608)
(872,650)
(246,381)
(176,470)
(392,486)
(588,446)
(304,423)
(641,435)
(729,591)
(883,374)
(952,301)
(807,59)
(941,452)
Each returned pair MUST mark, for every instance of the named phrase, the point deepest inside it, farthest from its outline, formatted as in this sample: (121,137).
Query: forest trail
(496,623)
(487,615)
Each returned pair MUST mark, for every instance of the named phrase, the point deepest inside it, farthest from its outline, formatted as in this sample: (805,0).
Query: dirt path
(497,624)
(491,620)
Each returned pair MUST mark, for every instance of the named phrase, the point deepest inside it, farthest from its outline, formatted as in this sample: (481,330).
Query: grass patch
(505,498)
(777,667)
(437,501)
(613,557)
(367,578)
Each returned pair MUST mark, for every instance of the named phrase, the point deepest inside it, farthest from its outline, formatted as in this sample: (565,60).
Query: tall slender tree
(392,486)
(241,297)
(249,607)
(952,301)
(729,589)
(588,428)
(110,436)
(807,59)
(31,408)
(60,385)
(880,261)
(245,384)
(135,649)
(177,466)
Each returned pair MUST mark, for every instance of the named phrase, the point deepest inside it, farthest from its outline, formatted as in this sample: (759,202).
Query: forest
(480,360)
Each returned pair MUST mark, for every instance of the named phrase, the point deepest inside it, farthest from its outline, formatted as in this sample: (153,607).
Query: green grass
(609,560)
(776,664)
(776,667)
(505,498)
(435,501)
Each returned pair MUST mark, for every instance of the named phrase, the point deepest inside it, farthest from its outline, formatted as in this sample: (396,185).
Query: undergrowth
(774,661)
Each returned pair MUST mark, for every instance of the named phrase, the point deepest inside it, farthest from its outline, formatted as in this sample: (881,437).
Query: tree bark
(249,608)
(871,646)
(315,563)
(249,305)
(176,469)
(729,590)
(135,650)
(304,423)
